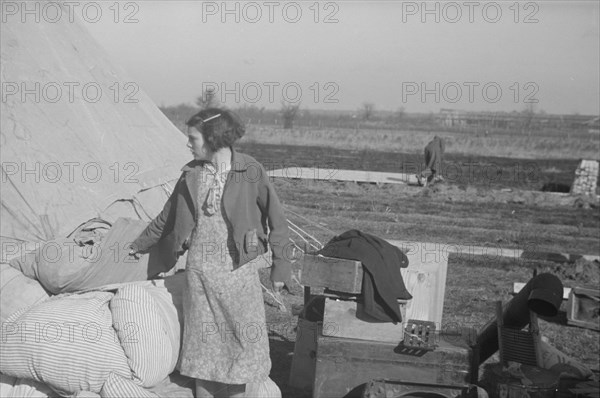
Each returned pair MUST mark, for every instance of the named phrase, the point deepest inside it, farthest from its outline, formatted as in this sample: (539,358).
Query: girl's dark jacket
(250,202)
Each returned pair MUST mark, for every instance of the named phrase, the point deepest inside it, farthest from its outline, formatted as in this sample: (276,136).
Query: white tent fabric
(76,135)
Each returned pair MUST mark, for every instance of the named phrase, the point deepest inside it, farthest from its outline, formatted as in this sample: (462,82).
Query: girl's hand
(251,241)
(278,287)
(133,252)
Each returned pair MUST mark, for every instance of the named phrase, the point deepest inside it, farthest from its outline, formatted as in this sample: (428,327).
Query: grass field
(535,144)
(528,145)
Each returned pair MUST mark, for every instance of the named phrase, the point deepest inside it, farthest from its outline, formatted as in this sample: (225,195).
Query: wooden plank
(436,251)
(302,372)
(425,280)
(517,286)
(377,177)
(445,250)
(333,273)
(583,308)
(348,319)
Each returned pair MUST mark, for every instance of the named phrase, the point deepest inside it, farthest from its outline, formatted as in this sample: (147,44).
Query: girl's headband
(211,118)
(203,120)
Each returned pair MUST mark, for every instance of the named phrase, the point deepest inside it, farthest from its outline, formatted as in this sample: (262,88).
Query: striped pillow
(144,335)
(66,342)
(11,387)
(119,387)
(168,313)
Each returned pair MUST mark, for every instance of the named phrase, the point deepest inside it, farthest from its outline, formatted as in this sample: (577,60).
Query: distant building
(452,117)
(517,120)
(593,125)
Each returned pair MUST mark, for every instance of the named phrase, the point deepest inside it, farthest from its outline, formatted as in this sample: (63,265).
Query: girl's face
(197,145)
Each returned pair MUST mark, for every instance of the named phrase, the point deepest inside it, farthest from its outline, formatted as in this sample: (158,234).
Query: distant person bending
(227,203)
(434,152)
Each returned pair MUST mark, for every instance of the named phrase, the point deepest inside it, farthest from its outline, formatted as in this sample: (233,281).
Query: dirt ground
(508,210)
(461,170)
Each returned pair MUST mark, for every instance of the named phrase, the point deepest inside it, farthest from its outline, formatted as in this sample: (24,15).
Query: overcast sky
(338,55)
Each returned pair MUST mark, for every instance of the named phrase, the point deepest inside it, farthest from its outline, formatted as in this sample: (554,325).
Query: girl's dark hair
(220,128)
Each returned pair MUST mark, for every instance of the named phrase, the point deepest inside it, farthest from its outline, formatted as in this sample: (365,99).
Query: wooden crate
(344,366)
(583,308)
(344,318)
(334,273)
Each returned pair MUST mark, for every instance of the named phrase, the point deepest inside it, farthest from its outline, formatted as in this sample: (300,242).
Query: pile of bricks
(586,178)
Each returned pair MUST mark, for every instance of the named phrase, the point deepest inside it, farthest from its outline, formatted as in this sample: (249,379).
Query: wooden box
(345,318)
(344,366)
(334,273)
(583,308)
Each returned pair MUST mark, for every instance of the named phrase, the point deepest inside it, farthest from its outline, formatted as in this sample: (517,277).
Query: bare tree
(289,112)
(399,114)
(528,114)
(368,109)
(208,99)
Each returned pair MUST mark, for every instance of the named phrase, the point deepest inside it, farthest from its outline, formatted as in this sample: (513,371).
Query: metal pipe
(542,295)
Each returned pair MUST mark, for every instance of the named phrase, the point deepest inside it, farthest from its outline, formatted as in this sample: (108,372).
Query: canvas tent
(69,155)
(72,146)
(67,158)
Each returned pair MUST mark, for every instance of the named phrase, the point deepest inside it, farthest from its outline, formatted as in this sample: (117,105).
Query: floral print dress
(224,335)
